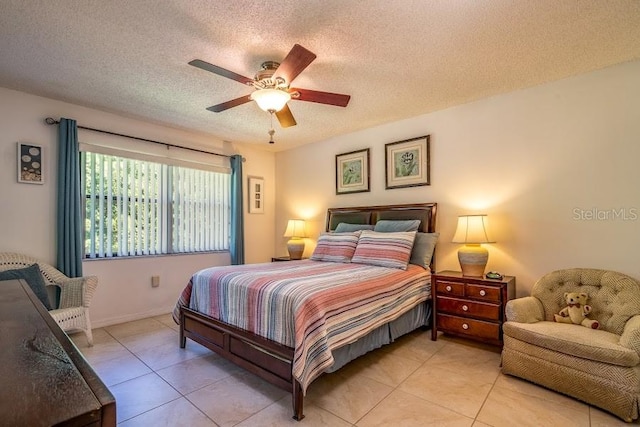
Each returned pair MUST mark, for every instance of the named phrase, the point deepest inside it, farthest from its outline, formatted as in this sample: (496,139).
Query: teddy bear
(576,311)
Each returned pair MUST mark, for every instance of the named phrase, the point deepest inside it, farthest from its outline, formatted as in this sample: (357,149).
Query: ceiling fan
(272,86)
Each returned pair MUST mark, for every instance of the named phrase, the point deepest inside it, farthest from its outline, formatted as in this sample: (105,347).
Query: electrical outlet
(155,281)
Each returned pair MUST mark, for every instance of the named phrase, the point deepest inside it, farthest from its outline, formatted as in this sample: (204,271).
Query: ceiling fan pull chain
(271,131)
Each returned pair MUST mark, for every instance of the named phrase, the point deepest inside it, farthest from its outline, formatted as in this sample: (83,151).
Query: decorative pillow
(345,227)
(53,292)
(423,248)
(336,247)
(384,249)
(390,226)
(34,279)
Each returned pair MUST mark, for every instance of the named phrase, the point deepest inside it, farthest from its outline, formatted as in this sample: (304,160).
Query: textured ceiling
(396,59)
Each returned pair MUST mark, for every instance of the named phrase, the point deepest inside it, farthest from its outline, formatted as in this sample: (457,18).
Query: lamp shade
(295,245)
(472,231)
(295,228)
(271,100)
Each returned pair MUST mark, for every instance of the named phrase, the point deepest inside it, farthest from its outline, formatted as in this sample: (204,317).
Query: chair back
(614,297)
(11,261)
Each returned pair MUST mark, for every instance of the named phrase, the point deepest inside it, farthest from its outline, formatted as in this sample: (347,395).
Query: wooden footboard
(265,358)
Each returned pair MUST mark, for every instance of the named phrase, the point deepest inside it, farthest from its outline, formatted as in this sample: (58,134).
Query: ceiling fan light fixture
(271,100)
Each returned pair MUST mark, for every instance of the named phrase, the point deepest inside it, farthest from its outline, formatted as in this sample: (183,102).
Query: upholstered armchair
(70,306)
(600,367)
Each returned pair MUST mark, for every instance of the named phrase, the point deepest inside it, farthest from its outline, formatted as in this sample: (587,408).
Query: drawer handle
(482,292)
(448,288)
(465,326)
(465,308)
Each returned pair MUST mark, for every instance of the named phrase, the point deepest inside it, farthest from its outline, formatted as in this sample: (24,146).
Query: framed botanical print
(256,194)
(407,163)
(30,163)
(352,172)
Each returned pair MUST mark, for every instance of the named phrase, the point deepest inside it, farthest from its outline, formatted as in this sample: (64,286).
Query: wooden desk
(45,379)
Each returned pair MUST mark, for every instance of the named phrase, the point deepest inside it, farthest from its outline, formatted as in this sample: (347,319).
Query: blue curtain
(236,246)
(69,220)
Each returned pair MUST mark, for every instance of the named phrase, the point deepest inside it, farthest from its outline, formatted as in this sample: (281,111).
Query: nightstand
(283,258)
(470,307)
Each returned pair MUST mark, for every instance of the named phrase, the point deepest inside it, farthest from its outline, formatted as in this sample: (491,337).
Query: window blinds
(137,207)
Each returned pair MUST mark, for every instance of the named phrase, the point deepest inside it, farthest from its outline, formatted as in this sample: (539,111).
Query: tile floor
(412,382)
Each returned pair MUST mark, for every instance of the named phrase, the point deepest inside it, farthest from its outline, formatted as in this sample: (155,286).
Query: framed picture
(256,194)
(407,163)
(352,172)
(30,163)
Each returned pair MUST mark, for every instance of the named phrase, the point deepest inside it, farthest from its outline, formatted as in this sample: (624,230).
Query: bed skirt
(419,316)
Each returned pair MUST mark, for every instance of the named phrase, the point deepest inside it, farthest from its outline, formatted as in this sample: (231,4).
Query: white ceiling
(396,59)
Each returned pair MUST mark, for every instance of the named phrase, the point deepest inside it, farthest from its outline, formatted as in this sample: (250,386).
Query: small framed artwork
(352,172)
(30,163)
(256,194)
(407,163)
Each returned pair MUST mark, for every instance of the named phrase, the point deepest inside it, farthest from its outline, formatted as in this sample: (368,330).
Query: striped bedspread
(311,306)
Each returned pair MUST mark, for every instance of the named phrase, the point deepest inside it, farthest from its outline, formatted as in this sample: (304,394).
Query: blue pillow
(344,227)
(391,226)
(423,248)
(34,279)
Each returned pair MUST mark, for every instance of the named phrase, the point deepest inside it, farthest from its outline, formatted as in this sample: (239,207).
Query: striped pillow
(336,247)
(384,249)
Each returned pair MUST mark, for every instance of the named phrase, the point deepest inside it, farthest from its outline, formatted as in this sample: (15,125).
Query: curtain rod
(52,121)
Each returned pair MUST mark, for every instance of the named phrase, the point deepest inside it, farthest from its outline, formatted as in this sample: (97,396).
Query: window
(137,207)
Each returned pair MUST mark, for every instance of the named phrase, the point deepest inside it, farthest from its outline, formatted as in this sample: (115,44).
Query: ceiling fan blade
(329,98)
(220,71)
(296,60)
(285,117)
(229,104)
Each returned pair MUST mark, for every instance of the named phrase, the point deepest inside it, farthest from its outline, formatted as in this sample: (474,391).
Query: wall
(28,212)
(555,167)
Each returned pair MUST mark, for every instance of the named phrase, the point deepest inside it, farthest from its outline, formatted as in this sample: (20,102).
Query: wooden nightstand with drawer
(470,307)
(282,258)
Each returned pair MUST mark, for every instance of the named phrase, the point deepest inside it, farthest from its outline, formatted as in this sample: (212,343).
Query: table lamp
(296,231)
(472,231)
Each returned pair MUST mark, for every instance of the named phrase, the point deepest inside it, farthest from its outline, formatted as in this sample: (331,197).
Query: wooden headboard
(425,212)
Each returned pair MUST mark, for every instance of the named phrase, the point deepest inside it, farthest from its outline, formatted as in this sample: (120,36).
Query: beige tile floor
(412,382)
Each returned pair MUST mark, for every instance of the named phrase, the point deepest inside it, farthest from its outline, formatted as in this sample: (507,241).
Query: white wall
(533,160)
(529,159)
(28,211)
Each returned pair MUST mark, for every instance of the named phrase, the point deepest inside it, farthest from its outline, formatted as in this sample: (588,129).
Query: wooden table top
(45,380)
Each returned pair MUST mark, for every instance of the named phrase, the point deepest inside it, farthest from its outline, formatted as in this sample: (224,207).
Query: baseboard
(129,317)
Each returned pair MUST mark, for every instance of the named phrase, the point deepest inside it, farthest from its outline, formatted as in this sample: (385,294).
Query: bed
(289,322)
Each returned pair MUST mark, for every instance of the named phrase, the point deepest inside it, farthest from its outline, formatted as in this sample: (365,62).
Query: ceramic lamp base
(473,260)
(295,248)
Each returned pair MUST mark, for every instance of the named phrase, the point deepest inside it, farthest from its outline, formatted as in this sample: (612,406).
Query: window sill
(131,257)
